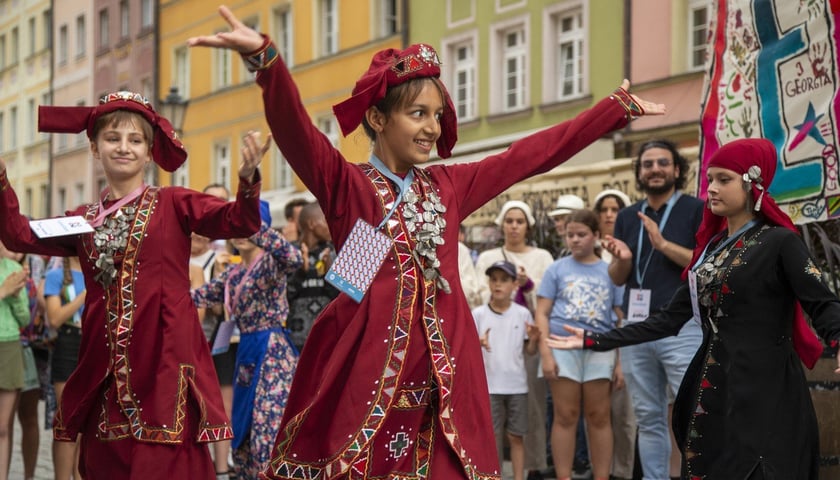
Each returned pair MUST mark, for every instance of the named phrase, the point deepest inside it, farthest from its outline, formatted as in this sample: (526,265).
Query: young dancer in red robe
(391,383)
(144,396)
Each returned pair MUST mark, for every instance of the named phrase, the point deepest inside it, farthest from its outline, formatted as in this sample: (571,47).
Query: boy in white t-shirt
(503,327)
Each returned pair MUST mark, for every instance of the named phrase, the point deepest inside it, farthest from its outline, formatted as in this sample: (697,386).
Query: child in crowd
(577,290)
(504,360)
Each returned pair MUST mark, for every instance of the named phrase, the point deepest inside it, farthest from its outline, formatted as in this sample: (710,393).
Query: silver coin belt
(424,220)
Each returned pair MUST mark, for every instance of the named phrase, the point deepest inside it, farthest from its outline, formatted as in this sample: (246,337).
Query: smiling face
(657,171)
(406,135)
(123,148)
(727,196)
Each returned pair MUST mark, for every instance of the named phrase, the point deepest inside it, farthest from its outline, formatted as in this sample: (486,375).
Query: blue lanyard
(724,243)
(402,184)
(640,273)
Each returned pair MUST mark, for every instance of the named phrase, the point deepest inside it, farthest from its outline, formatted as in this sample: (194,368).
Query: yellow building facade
(327,45)
(25,48)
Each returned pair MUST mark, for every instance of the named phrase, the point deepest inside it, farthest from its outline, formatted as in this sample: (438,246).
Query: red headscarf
(755,159)
(390,68)
(167,150)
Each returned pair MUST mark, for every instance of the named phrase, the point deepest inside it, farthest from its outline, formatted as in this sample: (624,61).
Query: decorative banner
(773,73)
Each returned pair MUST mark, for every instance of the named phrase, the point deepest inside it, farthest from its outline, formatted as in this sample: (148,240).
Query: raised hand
(616,247)
(485,340)
(252,153)
(650,108)
(240,38)
(571,342)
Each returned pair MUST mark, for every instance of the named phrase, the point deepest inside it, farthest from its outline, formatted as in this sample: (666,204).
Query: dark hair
(121,117)
(586,217)
(597,207)
(289,208)
(216,185)
(679,161)
(401,95)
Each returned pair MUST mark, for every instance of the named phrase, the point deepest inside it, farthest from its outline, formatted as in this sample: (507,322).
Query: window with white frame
(222,65)
(282,176)
(181,71)
(28,198)
(62,200)
(45,208)
(33,35)
(147,13)
(47,16)
(81,36)
(79,195)
(81,137)
(283,33)
(124,20)
(514,69)
(329,127)
(221,163)
(463,91)
(389,13)
(31,120)
(2,51)
(246,76)
(62,45)
(699,12)
(2,133)
(13,123)
(329,27)
(15,46)
(46,99)
(568,48)
(104,29)
(181,176)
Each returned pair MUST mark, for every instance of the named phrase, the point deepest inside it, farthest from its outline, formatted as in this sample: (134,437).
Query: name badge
(360,258)
(60,226)
(638,305)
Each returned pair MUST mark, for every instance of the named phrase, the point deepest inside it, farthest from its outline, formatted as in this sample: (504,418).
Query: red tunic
(408,344)
(144,364)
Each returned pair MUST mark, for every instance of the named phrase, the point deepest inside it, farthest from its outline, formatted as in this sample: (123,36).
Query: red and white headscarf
(390,68)
(167,151)
(755,160)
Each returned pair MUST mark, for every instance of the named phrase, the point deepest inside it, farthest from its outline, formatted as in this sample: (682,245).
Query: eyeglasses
(662,162)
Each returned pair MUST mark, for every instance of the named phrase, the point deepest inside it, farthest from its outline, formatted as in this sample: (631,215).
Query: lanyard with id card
(365,249)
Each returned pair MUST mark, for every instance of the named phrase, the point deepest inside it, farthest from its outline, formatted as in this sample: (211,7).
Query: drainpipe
(628,42)
(50,158)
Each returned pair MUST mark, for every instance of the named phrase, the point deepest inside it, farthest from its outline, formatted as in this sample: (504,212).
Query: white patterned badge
(359,259)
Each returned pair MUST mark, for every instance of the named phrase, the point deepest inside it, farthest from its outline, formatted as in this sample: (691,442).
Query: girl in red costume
(390,383)
(144,396)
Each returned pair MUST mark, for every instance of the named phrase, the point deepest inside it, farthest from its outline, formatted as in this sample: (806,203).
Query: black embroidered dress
(744,410)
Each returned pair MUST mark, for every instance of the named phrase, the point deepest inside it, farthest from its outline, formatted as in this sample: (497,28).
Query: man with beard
(652,244)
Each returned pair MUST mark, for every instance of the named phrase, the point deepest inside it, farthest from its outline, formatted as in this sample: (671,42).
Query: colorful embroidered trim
(261,58)
(4,181)
(633,109)
(126,96)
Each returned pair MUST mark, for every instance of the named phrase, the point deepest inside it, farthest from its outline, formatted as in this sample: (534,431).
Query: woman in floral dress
(254,295)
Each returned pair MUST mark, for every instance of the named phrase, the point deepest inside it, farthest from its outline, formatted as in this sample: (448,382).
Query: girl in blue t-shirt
(64,291)
(577,291)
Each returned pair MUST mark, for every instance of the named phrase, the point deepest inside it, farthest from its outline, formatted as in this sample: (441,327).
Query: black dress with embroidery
(744,410)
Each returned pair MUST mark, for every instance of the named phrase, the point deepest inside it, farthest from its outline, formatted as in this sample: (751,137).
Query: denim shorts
(510,411)
(584,365)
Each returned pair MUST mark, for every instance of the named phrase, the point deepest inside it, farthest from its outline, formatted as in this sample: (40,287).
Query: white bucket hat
(567,204)
(516,204)
(615,193)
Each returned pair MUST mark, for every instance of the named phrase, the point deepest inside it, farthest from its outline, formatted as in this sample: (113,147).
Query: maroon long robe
(370,373)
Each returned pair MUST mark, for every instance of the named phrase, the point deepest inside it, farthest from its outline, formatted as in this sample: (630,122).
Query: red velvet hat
(167,150)
(390,68)
(755,160)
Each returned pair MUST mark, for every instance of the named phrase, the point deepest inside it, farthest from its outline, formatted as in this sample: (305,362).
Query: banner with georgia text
(773,73)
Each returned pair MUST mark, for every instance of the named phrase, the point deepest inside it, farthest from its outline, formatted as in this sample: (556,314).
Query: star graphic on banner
(808,128)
